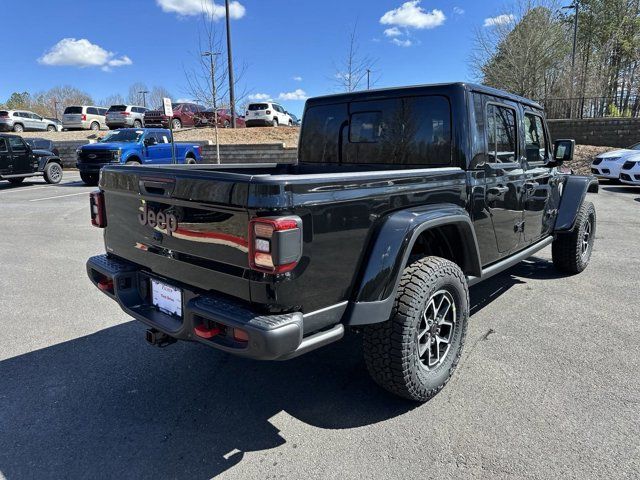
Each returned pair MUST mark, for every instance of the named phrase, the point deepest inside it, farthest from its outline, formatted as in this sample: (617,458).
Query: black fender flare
(46,160)
(574,190)
(389,253)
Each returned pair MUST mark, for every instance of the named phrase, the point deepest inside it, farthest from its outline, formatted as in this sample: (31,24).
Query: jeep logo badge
(162,220)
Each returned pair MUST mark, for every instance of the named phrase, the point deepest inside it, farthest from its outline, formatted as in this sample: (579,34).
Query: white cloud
(458,11)
(499,20)
(196,7)
(412,15)
(259,96)
(297,78)
(82,53)
(402,43)
(297,94)
(392,32)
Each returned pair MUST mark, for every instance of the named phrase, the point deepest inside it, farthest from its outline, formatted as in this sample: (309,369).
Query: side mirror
(149,142)
(562,152)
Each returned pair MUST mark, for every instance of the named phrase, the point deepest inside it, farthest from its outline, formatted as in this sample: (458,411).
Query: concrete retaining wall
(607,132)
(255,153)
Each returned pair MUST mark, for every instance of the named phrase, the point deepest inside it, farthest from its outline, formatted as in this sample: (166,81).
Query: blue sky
(287,45)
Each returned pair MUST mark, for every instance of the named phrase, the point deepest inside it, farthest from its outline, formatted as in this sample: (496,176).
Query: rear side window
(118,108)
(501,134)
(258,106)
(72,110)
(3,146)
(102,111)
(321,133)
(92,111)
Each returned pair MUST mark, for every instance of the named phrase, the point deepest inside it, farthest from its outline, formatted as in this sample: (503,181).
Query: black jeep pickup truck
(401,199)
(18,160)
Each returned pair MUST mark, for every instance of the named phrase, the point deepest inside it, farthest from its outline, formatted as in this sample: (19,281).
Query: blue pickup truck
(132,146)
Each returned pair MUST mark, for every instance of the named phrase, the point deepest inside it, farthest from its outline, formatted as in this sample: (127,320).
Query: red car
(184,115)
(224,118)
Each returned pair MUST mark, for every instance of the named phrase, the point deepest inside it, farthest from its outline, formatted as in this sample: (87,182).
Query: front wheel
(571,251)
(137,124)
(53,173)
(51,128)
(177,124)
(415,352)
(89,178)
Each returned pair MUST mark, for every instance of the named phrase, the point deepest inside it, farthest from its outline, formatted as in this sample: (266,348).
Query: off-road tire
(52,173)
(391,348)
(16,181)
(566,250)
(89,178)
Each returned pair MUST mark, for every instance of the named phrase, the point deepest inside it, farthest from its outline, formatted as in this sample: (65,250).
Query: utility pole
(211,56)
(55,107)
(368,74)
(576,6)
(144,97)
(232,95)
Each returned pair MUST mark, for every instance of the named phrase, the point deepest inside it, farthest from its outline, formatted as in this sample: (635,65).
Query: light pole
(211,56)
(232,95)
(144,97)
(576,6)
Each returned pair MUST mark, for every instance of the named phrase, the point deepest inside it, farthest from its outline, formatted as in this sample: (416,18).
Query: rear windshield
(410,131)
(73,110)
(4,113)
(117,108)
(258,106)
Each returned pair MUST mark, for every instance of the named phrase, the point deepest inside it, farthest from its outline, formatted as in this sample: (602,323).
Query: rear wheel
(16,181)
(18,127)
(191,161)
(137,124)
(89,178)
(415,352)
(133,162)
(95,126)
(571,251)
(275,122)
(53,172)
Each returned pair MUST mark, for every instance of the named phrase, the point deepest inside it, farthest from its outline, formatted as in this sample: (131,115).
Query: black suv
(401,199)
(18,160)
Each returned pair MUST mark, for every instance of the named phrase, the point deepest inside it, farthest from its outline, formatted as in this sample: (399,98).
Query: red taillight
(84,117)
(126,114)
(199,149)
(275,244)
(268,112)
(98,213)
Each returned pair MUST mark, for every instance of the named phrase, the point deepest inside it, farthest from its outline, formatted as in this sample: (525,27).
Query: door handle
(495,193)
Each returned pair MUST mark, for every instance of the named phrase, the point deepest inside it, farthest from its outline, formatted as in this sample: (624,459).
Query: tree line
(532,55)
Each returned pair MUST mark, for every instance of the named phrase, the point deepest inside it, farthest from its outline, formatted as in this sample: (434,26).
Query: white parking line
(59,196)
(28,188)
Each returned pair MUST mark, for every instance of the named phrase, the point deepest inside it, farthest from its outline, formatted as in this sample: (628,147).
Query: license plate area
(166,298)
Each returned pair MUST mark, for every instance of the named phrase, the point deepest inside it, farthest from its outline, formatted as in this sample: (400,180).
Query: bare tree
(52,102)
(198,75)
(351,73)
(156,96)
(135,96)
(113,99)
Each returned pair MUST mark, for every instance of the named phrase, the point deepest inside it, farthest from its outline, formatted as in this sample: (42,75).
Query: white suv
(267,114)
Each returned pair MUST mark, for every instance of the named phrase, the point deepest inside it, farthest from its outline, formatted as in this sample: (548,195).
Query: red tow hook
(205,332)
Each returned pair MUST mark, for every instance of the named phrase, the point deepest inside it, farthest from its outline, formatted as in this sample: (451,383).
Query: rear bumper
(270,337)
(6,127)
(119,123)
(79,125)
(258,123)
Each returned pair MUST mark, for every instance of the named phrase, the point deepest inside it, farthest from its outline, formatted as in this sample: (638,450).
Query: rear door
(504,174)
(21,158)
(5,156)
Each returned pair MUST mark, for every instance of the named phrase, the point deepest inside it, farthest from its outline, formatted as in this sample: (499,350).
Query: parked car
(296,121)
(378,229)
(24,120)
(608,165)
(123,116)
(267,114)
(84,117)
(18,160)
(630,171)
(184,115)
(57,123)
(224,118)
(42,144)
(132,146)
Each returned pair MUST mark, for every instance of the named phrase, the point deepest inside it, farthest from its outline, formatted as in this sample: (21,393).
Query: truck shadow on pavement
(109,405)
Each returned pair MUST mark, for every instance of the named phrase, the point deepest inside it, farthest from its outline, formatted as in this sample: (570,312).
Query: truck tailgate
(178,225)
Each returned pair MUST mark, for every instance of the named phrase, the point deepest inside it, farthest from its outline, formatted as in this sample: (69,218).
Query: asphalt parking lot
(548,385)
